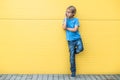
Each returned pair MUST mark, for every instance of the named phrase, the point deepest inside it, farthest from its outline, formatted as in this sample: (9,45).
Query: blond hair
(72,9)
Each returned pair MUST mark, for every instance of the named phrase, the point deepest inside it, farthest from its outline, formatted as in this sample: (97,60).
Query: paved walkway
(58,77)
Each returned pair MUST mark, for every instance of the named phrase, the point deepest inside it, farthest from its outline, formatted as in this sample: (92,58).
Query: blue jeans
(75,47)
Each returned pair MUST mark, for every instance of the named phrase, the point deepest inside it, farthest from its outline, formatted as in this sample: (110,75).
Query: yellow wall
(33,41)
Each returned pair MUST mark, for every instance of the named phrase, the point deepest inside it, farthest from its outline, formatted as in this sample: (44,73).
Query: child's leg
(72,56)
(79,46)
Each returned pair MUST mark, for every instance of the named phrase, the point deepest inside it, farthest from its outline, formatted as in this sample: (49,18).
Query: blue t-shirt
(71,23)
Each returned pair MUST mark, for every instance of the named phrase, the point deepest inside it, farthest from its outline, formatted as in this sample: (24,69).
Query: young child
(70,25)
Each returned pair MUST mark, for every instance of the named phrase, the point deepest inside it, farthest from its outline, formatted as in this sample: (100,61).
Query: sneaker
(72,78)
(73,74)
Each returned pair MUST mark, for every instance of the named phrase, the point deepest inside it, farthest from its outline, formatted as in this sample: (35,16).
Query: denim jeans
(75,47)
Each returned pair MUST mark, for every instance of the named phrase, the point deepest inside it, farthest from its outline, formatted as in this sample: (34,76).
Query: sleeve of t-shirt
(77,23)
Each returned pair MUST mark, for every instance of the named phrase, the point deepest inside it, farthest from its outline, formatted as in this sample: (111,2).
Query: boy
(70,25)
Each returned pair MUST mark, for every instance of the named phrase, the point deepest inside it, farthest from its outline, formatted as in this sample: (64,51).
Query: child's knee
(79,50)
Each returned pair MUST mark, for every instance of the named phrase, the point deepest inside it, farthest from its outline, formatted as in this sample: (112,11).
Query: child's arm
(76,26)
(64,24)
(73,29)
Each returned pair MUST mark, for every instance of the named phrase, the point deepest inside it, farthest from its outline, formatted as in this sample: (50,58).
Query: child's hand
(66,15)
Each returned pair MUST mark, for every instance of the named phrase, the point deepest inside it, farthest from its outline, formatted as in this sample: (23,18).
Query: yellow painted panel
(32,40)
(39,46)
(52,9)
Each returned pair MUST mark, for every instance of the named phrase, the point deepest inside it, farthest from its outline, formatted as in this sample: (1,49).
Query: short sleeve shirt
(71,23)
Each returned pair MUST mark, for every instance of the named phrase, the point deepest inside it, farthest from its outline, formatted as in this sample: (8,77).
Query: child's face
(69,13)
